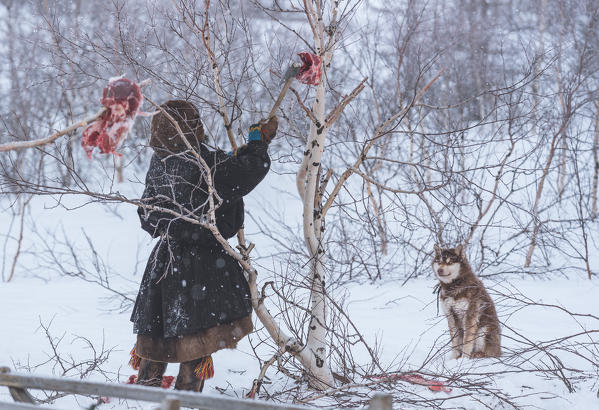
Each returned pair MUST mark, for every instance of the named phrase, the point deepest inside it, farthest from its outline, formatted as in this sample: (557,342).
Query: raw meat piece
(122,99)
(310,71)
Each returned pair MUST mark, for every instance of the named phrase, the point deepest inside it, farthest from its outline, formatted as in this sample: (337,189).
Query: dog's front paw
(456,354)
(477,355)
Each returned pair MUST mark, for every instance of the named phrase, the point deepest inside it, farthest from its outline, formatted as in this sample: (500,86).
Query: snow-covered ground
(403,318)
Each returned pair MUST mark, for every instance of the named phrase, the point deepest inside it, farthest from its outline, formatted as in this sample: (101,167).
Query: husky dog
(473,323)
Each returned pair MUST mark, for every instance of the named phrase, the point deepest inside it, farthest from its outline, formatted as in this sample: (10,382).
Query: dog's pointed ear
(437,251)
(460,251)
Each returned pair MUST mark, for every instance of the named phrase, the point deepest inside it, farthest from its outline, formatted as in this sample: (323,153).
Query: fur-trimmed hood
(164,137)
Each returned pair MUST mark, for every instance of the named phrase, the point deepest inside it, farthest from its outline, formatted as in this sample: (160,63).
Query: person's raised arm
(237,175)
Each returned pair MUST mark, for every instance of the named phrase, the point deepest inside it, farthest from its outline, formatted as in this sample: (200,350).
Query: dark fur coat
(190,283)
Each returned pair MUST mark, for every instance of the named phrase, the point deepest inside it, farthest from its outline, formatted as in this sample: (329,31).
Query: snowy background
(402,319)
(517,103)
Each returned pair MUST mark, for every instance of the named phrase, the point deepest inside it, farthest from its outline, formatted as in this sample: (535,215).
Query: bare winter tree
(431,124)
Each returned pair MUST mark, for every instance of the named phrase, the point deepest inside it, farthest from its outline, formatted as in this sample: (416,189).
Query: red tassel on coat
(135,360)
(205,369)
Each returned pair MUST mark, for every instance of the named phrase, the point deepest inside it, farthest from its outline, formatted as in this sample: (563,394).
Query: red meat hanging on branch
(308,72)
(122,99)
(311,70)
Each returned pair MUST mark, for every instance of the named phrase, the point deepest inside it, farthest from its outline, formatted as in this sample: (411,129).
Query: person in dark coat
(193,299)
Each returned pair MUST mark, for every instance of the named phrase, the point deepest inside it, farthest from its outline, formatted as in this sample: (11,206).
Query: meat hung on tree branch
(311,69)
(122,99)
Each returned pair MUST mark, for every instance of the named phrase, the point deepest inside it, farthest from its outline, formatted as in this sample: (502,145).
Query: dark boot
(150,373)
(190,376)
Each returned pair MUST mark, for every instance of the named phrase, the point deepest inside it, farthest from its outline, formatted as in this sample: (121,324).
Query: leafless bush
(500,152)
(62,362)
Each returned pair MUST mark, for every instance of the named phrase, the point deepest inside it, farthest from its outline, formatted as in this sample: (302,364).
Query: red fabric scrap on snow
(433,385)
(310,71)
(122,99)
(167,381)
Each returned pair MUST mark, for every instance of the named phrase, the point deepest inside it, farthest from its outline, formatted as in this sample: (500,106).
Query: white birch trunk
(316,341)
(319,372)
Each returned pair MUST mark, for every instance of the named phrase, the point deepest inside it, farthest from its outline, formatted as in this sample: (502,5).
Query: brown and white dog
(473,324)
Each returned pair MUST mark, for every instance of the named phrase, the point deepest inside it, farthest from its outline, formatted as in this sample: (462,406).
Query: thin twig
(18,145)
(381,129)
(204,33)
